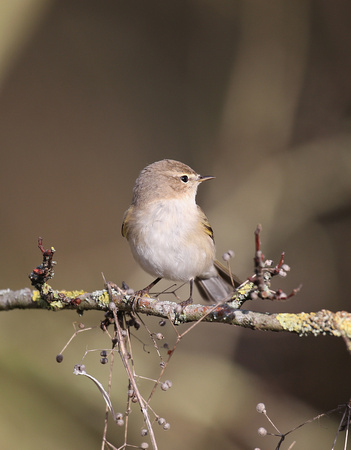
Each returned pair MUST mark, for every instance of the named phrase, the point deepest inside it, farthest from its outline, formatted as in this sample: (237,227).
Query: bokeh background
(257,94)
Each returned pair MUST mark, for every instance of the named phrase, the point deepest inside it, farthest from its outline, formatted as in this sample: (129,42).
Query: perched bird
(168,233)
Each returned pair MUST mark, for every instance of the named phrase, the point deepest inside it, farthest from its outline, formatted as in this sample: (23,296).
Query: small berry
(159,336)
(166,426)
(144,445)
(161,421)
(164,386)
(59,358)
(143,432)
(103,353)
(162,323)
(103,360)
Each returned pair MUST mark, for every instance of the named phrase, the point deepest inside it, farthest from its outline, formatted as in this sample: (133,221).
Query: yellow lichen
(245,288)
(343,322)
(36,296)
(68,294)
(321,322)
(104,298)
(56,305)
(301,323)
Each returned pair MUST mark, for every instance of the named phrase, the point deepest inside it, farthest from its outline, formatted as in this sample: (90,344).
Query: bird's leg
(190,299)
(147,288)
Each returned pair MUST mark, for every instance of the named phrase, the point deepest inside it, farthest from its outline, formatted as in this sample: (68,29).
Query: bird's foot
(185,303)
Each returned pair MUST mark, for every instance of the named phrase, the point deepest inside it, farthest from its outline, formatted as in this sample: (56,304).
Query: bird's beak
(205,178)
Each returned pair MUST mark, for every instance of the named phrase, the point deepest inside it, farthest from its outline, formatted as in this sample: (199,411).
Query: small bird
(168,233)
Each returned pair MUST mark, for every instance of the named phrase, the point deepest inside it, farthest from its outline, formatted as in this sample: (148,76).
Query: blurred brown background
(255,93)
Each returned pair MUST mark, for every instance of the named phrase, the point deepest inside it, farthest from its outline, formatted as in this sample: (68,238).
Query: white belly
(171,243)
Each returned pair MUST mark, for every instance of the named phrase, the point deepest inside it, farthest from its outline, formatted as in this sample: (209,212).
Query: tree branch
(228,311)
(323,322)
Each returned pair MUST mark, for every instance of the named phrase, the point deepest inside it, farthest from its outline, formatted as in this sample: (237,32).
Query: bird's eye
(184,178)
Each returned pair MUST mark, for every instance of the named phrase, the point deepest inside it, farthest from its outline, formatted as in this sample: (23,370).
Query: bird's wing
(126,221)
(205,223)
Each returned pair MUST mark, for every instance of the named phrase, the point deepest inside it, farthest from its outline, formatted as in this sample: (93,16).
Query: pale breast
(171,242)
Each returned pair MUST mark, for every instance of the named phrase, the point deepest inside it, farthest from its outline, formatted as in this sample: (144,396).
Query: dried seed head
(280,295)
(225,257)
(81,325)
(254,296)
(159,336)
(169,383)
(112,306)
(178,309)
(120,422)
(228,255)
(262,431)
(260,407)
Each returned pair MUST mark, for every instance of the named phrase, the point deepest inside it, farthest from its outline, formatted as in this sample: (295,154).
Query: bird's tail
(219,287)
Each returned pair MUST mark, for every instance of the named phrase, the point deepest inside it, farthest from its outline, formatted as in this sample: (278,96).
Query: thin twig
(142,403)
